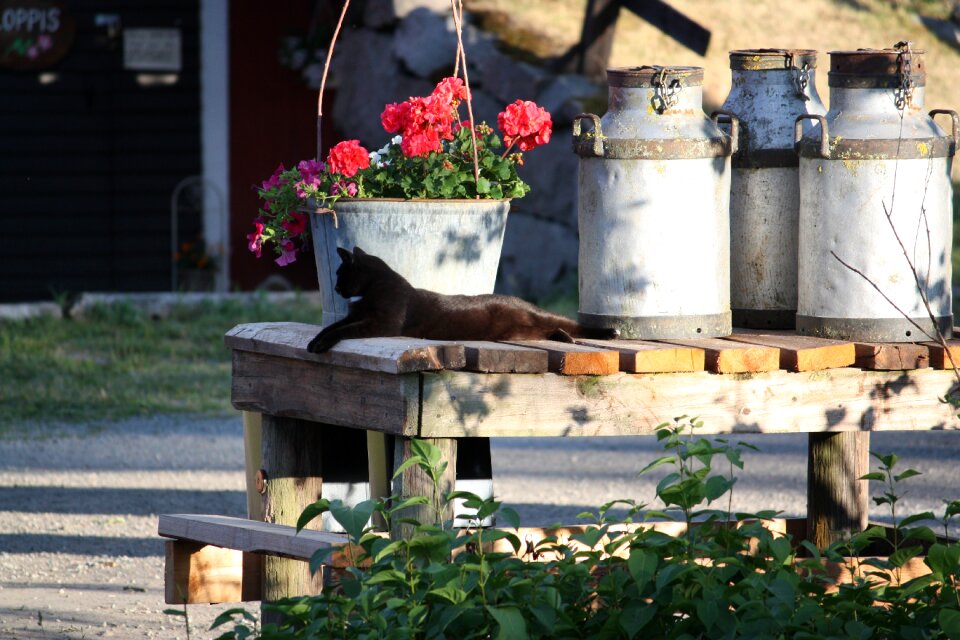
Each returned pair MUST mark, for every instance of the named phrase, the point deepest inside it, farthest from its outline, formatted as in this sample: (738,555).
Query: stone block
(380,14)
(509,80)
(567,95)
(426,44)
(551,172)
(539,257)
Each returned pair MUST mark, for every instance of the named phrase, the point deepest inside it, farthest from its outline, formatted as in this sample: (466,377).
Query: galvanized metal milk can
(769,89)
(875,204)
(654,196)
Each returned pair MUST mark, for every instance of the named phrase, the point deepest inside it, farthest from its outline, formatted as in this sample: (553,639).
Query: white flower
(384,150)
(396,140)
(375,157)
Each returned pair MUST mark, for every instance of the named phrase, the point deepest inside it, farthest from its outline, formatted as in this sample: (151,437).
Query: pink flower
(256,238)
(296,225)
(288,253)
(451,90)
(525,124)
(347,158)
(274,180)
(339,188)
(44,42)
(310,169)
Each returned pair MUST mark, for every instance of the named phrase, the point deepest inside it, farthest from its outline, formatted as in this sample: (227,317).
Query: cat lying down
(388,305)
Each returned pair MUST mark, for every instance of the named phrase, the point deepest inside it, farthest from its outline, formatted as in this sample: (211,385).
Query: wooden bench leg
(415,482)
(837,500)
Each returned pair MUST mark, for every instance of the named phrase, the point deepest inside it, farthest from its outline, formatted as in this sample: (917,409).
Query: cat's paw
(321,343)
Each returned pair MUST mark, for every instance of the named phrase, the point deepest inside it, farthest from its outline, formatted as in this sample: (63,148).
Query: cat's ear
(345,255)
(357,251)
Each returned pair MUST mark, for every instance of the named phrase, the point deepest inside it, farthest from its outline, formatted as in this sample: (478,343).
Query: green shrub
(726,577)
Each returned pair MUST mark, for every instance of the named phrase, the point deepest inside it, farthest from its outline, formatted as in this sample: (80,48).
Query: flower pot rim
(444,200)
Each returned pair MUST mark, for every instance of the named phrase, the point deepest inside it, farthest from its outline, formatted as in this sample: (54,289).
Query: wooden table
(318,409)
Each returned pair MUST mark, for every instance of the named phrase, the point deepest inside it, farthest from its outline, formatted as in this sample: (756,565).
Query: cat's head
(357,271)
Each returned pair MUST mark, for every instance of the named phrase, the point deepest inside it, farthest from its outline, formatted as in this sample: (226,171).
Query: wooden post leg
(837,500)
(292,461)
(415,482)
(252,580)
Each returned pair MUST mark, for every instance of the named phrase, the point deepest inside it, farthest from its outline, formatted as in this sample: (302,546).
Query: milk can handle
(734,127)
(824,133)
(956,122)
(597,133)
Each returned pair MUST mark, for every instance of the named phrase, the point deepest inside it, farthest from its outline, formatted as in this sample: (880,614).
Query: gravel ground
(80,558)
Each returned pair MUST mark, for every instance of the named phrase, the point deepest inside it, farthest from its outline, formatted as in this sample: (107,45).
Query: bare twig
(323,80)
(457,7)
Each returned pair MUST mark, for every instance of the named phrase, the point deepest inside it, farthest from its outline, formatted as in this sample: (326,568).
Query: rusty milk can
(769,89)
(654,194)
(875,204)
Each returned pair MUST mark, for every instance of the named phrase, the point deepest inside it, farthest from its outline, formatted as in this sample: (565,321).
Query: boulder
(380,14)
(426,44)
(567,95)
(539,257)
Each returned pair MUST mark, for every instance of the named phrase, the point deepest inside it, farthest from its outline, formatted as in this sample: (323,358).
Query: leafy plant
(728,575)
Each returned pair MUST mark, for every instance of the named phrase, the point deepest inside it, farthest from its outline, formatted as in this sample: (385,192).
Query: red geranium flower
(525,124)
(348,157)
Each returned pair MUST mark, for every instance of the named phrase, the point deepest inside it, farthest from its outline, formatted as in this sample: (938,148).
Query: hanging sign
(151,49)
(34,34)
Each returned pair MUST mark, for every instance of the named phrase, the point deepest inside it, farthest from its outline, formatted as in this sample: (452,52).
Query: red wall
(272,120)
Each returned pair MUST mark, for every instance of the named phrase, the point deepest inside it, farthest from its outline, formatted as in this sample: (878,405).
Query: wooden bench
(388,391)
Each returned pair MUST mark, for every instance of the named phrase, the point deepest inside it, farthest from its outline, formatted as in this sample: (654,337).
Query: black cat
(391,306)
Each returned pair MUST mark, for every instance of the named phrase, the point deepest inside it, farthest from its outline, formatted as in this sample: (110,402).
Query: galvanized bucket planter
(875,204)
(654,192)
(447,246)
(770,88)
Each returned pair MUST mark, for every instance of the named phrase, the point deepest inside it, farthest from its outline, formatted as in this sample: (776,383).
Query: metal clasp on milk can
(875,206)
(769,89)
(653,208)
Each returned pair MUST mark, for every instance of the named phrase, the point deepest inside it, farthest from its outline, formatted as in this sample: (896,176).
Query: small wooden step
(801,353)
(642,356)
(498,357)
(728,356)
(575,359)
(938,355)
(892,356)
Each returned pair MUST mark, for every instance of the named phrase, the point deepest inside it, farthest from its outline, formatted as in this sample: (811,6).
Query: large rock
(508,80)
(380,14)
(539,257)
(426,44)
(567,95)
(551,172)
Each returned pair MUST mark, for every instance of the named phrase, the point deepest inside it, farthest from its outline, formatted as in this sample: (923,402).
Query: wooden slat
(801,353)
(457,404)
(574,359)
(641,356)
(252,536)
(498,357)
(295,388)
(729,356)
(390,355)
(891,356)
(938,355)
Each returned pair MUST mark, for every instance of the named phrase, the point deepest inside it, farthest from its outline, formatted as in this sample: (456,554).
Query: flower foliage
(431,156)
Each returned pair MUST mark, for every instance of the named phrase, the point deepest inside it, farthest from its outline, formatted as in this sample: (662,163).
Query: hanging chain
(664,96)
(801,75)
(903,94)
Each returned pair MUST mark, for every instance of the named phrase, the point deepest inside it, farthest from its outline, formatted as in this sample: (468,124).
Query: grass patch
(119,363)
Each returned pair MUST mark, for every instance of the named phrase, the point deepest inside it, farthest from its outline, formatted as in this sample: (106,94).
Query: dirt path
(80,558)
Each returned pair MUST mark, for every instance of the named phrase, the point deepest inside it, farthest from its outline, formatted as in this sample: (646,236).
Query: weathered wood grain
(938,355)
(729,356)
(498,357)
(252,536)
(801,353)
(891,356)
(641,356)
(574,359)
(415,482)
(389,355)
(295,388)
(196,573)
(837,499)
(464,404)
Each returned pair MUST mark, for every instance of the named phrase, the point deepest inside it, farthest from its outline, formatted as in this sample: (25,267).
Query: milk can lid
(764,59)
(650,75)
(877,68)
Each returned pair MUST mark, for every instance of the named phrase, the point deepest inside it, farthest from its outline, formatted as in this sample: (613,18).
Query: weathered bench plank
(294,388)
(497,357)
(459,404)
(641,356)
(801,353)
(728,356)
(574,359)
(389,355)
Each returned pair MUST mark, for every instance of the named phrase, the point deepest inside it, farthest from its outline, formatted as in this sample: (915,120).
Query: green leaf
(635,617)
(406,464)
(901,556)
(311,512)
(510,516)
(426,450)
(949,620)
(353,519)
(943,560)
(642,565)
(175,612)
(227,616)
(483,186)
(909,473)
(409,502)
(318,556)
(707,611)
(590,537)
(450,592)
(656,463)
(717,486)
(546,616)
(873,475)
(917,517)
(511,623)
